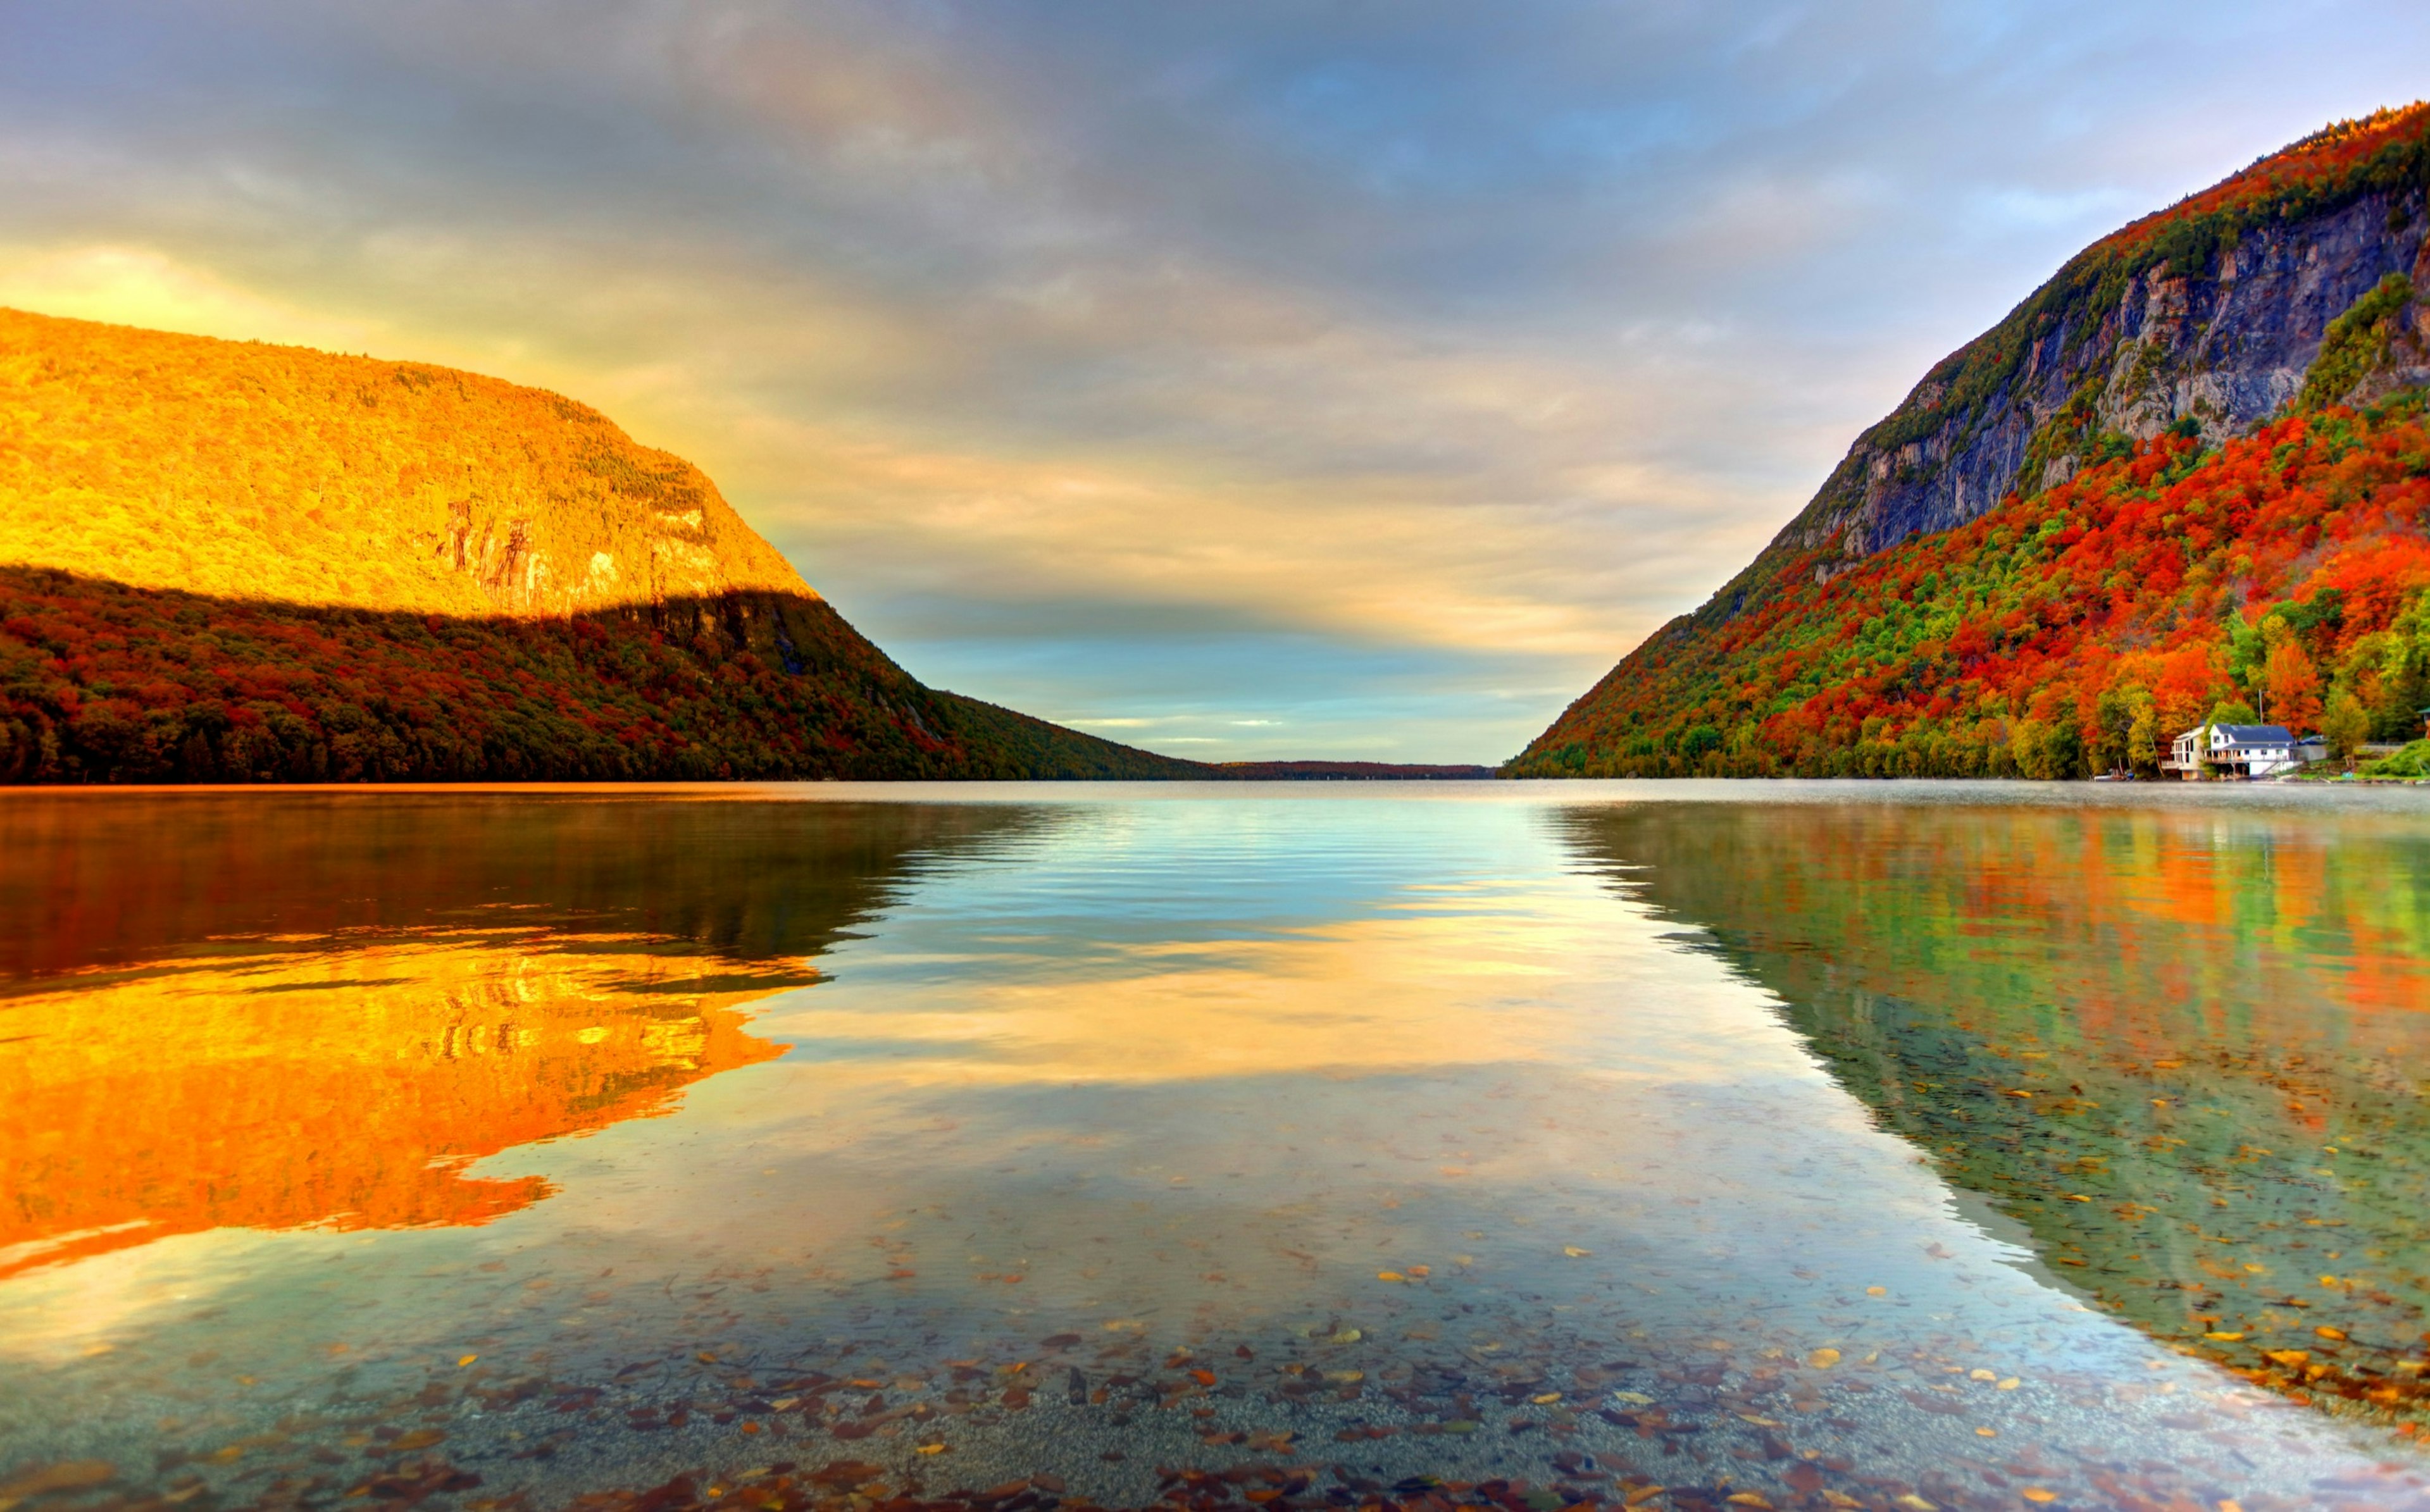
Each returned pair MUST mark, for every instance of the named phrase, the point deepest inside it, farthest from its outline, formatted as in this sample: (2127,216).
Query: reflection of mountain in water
(2188,1051)
(279,1012)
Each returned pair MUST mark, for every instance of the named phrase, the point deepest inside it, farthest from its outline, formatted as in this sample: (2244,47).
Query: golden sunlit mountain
(276,472)
(230,561)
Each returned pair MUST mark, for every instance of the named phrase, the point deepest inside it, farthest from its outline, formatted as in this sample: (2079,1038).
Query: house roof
(2247,733)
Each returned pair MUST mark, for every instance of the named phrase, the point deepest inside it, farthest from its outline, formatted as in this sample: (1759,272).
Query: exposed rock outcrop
(2290,292)
(2211,312)
(2225,348)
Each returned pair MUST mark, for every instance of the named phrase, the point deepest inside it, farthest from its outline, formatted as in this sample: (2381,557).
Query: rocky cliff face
(2210,313)
(2225,348)
(2290,292)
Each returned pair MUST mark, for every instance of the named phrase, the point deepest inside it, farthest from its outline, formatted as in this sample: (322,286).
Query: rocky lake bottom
(1360,1145)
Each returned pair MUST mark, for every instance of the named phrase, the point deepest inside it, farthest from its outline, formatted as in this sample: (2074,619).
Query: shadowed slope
(100,682)
(224,561)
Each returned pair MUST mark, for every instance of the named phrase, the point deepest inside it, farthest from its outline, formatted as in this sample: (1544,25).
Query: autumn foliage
(230,562)
(101,682)
(2382,149)
(2066,633)
(2155,555)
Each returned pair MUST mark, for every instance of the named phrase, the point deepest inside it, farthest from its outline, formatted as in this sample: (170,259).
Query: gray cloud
(1451,347)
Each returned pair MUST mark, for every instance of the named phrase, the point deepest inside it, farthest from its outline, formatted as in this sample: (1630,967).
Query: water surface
(1430,1145)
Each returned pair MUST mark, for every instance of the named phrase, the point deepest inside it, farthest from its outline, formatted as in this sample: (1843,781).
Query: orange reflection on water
(345,1081)
(2144,1035)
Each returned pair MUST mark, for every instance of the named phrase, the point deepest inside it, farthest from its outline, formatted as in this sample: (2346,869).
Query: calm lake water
(1670,1145)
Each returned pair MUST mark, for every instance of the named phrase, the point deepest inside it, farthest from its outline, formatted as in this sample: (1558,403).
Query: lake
(1412,1145)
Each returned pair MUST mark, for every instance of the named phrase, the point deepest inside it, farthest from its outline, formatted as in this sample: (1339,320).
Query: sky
(1355,379)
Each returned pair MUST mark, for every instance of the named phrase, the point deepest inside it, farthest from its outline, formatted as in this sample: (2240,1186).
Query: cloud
(1425,355)
(138,286)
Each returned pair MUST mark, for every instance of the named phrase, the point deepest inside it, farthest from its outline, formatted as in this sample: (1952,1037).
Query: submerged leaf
(67,1476)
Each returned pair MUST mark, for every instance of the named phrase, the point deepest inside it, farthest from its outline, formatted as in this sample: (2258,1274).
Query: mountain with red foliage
(2187,478)
(225,561)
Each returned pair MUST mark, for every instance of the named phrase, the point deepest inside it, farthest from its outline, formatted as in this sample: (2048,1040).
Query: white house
(2235,750)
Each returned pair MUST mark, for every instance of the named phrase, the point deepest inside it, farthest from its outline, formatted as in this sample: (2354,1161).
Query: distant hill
(2185,476)
(228,562)
(1347,772)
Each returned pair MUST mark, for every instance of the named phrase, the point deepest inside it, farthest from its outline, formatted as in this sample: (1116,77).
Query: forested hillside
(225,561)
(2184,479)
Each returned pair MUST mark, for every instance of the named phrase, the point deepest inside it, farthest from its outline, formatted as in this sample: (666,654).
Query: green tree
(2355,343)
(2404,690)
(2063,751)
(2144,734)
(2026,749)
(2345,726)
(2106,743)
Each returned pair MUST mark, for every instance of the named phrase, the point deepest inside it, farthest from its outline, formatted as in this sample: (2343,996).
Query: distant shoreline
(1348,772)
